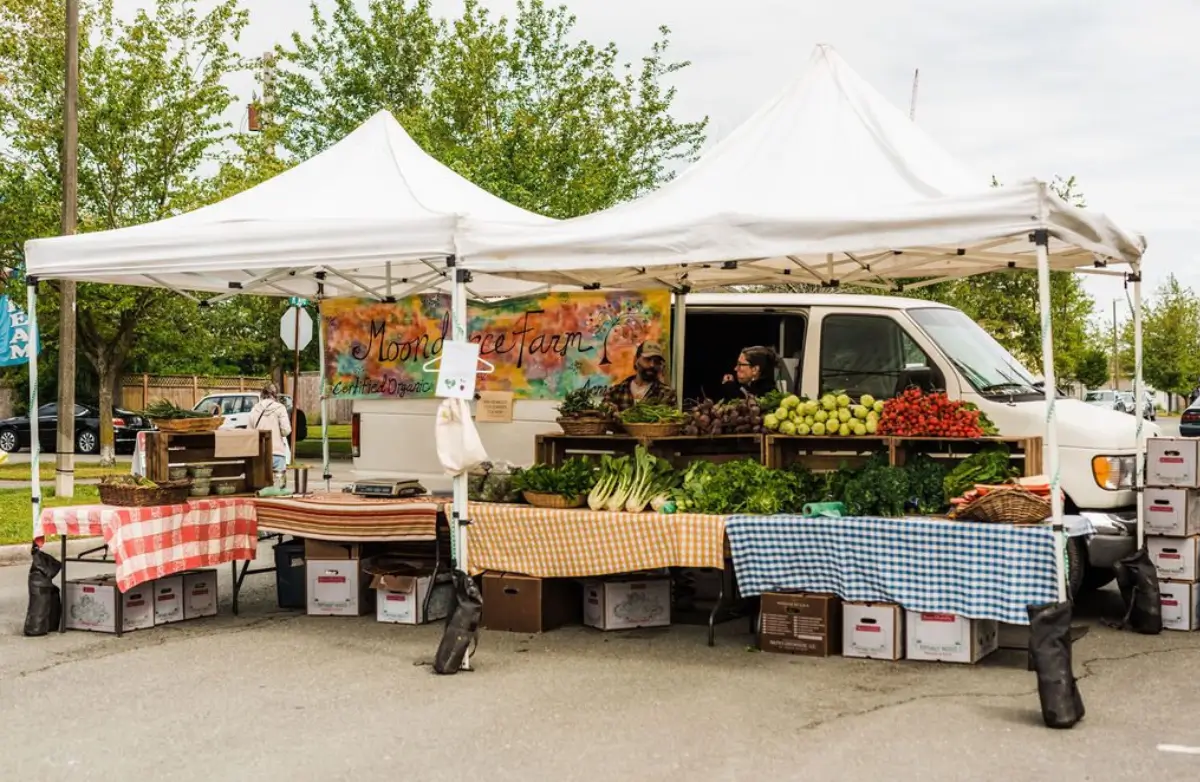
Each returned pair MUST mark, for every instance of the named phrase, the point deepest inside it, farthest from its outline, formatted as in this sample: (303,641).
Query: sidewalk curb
(19,553)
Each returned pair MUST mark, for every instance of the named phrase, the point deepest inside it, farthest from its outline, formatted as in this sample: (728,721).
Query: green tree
(1093,367)
(520,107)
(152,94)
(1171,339)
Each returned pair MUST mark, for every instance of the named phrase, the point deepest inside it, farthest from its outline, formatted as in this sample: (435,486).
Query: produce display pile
(917,414)
(833,415)
(741,416)
(651,413)
(166,411)
(587,402)
(641,481)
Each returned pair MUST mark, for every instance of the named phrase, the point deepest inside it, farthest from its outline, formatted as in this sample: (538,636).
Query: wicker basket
(650,431)
(582,427)
(129,496)
(189,425)
(539,500)
(1007,506)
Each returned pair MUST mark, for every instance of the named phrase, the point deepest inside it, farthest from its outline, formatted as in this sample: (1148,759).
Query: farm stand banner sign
(542,346)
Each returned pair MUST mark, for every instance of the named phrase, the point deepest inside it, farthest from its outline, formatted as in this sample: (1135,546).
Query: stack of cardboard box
(1171,513)
(91,603)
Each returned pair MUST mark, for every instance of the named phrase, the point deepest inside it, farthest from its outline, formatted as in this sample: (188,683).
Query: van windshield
(981,359)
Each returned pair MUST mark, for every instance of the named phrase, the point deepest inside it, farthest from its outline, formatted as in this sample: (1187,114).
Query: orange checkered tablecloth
(550,543)
(157,541)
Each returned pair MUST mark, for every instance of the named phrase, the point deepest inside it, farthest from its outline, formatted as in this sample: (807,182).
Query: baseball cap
(650,350)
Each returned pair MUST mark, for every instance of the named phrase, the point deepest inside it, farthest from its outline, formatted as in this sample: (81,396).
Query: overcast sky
(1105,90)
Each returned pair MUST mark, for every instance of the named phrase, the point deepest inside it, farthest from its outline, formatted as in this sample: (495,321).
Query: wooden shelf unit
(679,450)
(831,453)
(167,449)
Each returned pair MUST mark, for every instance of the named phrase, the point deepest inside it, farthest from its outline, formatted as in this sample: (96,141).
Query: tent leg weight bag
(1137,580)
(462,626)
(45,601)
(1050,652)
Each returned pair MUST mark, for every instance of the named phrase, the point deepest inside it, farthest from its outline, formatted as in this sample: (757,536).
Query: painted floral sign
(541,346)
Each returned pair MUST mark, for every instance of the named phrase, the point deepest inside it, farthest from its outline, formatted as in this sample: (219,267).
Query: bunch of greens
(574,477)
(876,488)
(743,486)
(165,410)
(926,477)
(651,413)
(772,400)
(631,483)
(586,402)
(990,466)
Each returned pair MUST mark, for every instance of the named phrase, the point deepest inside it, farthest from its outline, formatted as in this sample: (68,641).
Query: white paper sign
(456,370)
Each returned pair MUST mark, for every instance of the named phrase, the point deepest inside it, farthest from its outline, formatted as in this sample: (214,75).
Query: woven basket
(165,493)
(1007,506)
(539,500)
(189,425)
(650,431)
(582,427)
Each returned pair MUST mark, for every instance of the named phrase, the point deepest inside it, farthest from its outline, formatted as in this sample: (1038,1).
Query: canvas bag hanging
(458,445)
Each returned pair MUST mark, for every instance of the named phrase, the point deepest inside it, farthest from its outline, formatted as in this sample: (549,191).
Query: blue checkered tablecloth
(981,571)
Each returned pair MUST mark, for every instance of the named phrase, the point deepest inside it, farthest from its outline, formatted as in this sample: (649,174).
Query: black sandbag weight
(462,626)
(1137,580)
(45,600)
(1050,651)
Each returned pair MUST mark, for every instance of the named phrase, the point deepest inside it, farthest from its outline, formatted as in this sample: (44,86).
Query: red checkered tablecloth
(152,542)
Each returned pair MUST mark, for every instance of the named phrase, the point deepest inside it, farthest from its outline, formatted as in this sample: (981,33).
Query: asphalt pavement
(274,695)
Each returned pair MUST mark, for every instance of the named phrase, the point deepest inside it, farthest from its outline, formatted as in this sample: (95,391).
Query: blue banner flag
(15,347)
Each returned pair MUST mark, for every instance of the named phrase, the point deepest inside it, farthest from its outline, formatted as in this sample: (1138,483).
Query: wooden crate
(822,454)
(679,450)
(165,450)
(1026,452)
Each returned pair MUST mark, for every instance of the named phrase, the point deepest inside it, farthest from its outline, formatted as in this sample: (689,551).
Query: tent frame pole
(458,516)
(35,450)
(1041,238)
(1140,447)
(325,472)
(678,331)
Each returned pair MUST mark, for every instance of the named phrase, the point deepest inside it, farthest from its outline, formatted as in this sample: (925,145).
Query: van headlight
(1114,473)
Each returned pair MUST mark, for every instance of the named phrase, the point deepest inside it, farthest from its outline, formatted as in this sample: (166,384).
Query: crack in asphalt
(102,650)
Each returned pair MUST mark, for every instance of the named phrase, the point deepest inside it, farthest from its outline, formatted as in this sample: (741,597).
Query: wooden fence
(186,391)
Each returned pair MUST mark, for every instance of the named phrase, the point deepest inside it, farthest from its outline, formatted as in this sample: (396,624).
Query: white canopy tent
(828,184)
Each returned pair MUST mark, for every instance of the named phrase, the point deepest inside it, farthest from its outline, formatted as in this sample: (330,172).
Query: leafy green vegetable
(926,477)
(583,402)
(631,483)
(650,413)
(576,476)
(738,487)
(990,466)
(165,410)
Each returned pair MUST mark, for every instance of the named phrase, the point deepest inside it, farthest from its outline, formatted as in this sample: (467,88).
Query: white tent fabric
(372,199)
(828,182)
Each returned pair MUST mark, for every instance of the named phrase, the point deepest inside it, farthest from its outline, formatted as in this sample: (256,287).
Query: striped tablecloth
(339,516)
(152,542)
(982,571)
(572,543)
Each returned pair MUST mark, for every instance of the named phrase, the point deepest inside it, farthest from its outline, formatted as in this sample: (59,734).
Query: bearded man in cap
(646,384)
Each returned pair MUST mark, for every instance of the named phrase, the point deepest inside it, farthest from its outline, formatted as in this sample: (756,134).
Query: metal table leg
(62,586)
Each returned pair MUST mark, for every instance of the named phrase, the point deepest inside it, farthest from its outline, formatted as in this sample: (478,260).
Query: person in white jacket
(269,415)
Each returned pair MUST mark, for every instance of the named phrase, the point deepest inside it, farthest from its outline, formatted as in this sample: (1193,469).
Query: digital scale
(391,489)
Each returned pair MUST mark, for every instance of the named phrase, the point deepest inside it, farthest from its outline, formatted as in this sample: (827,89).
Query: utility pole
(64,473)
(912,103)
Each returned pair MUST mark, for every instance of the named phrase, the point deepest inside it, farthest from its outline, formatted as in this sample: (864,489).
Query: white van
(864,344)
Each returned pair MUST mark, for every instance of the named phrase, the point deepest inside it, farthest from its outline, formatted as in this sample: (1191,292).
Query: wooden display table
(679,450)
(167,449)
(831,453)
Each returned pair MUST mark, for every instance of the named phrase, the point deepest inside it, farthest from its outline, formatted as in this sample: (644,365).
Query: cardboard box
(337,587)
(324,549)
(1175,558)
(626,603)
(1180,605)
(400,599)
(91,604)
(800,623)
(874,630)
(949,638)
(525,604)
(168,600)
(199,594)
(1171,461)
(1171,512)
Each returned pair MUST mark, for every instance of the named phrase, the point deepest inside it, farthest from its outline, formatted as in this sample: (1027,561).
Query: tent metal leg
(1042,240)
(1140,447)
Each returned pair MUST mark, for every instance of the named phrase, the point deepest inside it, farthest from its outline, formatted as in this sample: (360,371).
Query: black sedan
(14,432)
(1189,422)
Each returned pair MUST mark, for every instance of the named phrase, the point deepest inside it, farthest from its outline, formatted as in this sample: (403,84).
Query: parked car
(1189,422)
(15,434)
(236,407)
(1149,410)
(1107,399)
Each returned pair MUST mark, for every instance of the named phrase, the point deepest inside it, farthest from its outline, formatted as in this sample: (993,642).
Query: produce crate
(168,449)
(822,454)
(1026,452)
(679,450)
